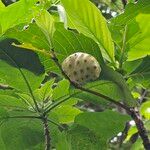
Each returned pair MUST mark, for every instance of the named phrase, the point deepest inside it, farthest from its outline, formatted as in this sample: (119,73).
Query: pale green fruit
(81,67)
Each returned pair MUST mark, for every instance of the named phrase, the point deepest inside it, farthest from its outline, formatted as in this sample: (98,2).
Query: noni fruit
(81,67)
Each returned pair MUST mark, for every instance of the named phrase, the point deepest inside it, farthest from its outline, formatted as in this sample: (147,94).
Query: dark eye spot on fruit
(95,67)
(75,54)
(85,60)
(70,65)
(75,73)
(86,76)
(81,70)
(78,62)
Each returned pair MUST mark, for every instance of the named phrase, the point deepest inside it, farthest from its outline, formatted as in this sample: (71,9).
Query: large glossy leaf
(81,138)
(32,36)
(93,26)
(145,110)
(34,39)
(7,72)
(11,102)
(62,89)
(131,11)
(23,57)
(104,124)
(46,23)
(141,74)
(1,5)
(66,113)
(68,42)
(139,43)
(22,12)
(45,92)
(21,133)
(136,37)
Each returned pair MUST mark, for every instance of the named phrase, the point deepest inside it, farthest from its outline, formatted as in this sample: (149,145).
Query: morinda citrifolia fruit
(81,67)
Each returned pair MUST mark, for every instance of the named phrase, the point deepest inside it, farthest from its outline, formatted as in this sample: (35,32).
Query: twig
(124,133)
(55,123)
(144,93)
(46,133)
(141,129)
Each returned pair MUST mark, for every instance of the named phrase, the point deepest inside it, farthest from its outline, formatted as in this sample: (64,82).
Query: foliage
(32,86)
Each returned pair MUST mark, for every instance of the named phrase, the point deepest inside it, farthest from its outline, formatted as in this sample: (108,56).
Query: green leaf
(62,89)
(32,37)
(81,138)
(45,92)
(46,23)
(3,113)
(104,124)
(21,133)
(1,5)
(145,110)
(27,99)
(11,102)
(17,81)
(23,58)
(139,44)
(66,113)
(130,66)
(111,75)
(138,145)
(62,142)
(68,42)
(131,11)
(142,73)
(93,26)
(22,10)
(135,19)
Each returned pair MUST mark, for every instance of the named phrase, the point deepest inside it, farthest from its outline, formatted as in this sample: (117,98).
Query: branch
(141,129)
(124,134)
(46,133)
(143,95)
(55,123)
